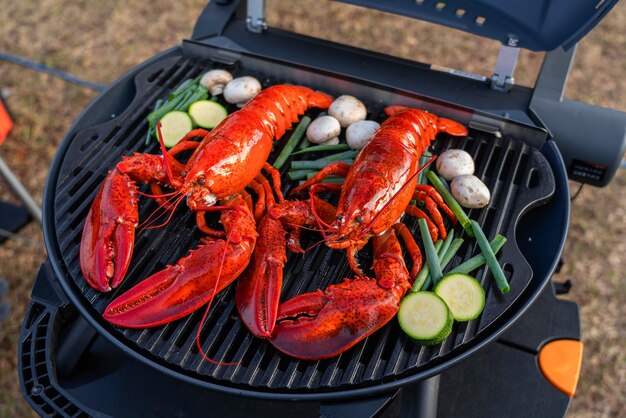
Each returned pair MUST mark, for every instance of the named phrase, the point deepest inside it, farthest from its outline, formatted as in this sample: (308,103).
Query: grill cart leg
(420,399)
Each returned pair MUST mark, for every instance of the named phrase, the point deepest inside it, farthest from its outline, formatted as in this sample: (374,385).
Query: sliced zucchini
(463,294)
(174,126)
(207,114)
(425,318)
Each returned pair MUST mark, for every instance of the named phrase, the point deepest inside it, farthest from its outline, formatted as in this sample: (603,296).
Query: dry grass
(100,40)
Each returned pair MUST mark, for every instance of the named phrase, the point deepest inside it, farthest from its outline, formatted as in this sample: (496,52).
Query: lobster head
(366,209)
(198,190)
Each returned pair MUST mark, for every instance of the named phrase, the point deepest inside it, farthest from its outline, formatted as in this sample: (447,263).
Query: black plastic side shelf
(36,366)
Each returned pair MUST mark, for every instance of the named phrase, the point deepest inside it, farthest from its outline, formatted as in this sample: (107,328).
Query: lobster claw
(177,290)
(258,292)
(184,287)
(108,236)
(323,324)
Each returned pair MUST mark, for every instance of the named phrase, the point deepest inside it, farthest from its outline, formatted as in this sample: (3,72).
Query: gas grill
(73,363)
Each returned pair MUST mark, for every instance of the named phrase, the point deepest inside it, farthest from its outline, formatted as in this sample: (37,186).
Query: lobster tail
(284,103)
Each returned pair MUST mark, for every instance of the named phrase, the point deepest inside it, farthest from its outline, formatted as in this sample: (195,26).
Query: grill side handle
(592,139)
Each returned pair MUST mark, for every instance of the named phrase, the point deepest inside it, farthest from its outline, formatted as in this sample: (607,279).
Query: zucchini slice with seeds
(174,126)
(425,318)
(463,294)
(207,114)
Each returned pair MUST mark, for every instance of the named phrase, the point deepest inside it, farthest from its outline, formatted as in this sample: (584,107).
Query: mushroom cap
(241,89)
(215,80)
(347,110)
(359,133)
(453,163)
(323,129)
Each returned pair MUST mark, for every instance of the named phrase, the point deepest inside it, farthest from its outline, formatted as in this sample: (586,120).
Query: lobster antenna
(395,196)
(168,167)
(208,307)
(151,219)
(312,192)
(169,218)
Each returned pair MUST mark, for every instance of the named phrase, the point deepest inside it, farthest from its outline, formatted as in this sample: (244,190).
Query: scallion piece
(490,256)
(446,245)
(475,262)
(292,142)
(431,254)
(299,174)
(156,116)
(346,155)
(151,130)
(331,177)
(319,148)
(185,85)
(313,165)
(418,284)
(338,180)
(421,178)
(451,202)
(200,93)
(445,258)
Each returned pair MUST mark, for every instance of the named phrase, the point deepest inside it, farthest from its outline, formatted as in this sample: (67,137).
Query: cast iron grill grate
(517,174)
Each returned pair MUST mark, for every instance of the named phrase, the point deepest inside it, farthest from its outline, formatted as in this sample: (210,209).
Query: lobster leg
(431,207)
(323,324)
(337,168)
(275,174)
(434,194)
(419,214)
(411,246)
(259,208)
(180,289)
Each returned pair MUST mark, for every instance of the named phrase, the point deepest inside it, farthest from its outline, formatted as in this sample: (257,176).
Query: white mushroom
(347,110)
(470,191)
(333,141)
(215,80)
(323,129)
(453,163)
(241,89)
(359,133)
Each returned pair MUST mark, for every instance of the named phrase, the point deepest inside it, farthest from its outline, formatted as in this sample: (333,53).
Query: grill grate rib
(509,168)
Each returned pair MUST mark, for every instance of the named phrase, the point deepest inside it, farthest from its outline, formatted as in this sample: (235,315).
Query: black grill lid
(540,25)
(517,173)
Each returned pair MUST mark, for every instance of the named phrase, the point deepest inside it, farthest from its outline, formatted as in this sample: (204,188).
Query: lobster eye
(201,181)
(359,219)
(340,217)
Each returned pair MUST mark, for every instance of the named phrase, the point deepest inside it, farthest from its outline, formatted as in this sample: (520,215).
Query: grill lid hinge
(502,78)
(255,19)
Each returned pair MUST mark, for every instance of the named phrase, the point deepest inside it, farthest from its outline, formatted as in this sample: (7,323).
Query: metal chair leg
(19,190)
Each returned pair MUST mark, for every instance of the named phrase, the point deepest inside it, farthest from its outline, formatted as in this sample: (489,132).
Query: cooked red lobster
(226,161)
(377,191)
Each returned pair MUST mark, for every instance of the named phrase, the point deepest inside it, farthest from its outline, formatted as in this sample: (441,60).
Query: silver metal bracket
(255,19)
(502,78)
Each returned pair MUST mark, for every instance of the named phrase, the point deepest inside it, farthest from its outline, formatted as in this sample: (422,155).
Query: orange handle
(560,363)
(5,123)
